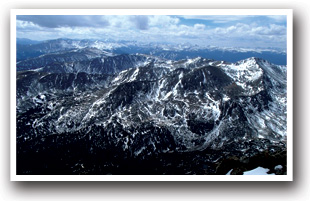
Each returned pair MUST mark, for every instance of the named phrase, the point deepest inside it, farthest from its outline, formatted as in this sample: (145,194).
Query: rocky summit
(91,112)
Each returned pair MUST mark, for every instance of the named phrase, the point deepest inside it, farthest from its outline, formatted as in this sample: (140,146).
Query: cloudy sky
(251,31)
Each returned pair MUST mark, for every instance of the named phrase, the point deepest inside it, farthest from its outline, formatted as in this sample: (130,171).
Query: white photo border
(287,12)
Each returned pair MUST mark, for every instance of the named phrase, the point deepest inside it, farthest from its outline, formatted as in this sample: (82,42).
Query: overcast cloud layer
(222,31)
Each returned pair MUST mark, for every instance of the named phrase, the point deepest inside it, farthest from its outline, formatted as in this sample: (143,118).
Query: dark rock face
(88,61)
(135,114)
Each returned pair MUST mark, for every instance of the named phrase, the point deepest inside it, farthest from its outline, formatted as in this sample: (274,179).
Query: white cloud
(241,29)
(217,18)
(158,28)
(250,35)
(199,26)
(163,21)
(26,26)
(278,18)
(118,21)
(56,21)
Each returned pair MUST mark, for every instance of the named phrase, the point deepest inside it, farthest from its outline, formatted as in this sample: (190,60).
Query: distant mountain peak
(163,50)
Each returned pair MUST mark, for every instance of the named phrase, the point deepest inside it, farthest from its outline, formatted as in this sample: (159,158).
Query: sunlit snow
(258,171)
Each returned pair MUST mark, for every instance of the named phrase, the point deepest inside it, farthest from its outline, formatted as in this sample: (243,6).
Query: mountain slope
(161,50)
(159,117)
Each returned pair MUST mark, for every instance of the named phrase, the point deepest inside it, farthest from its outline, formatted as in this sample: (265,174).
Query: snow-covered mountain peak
(149,109)
(246,73)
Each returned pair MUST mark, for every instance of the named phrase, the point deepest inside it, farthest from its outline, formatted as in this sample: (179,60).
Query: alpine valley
(101,107)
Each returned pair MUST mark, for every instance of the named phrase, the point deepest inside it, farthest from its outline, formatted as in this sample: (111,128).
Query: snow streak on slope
(145,105)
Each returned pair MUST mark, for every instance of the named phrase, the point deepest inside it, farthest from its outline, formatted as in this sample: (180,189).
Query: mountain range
(83,109)
(28,49)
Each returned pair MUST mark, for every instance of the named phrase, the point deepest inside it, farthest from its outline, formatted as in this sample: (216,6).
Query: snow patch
(278,167)
(229,172)
(134,75)
(258,171)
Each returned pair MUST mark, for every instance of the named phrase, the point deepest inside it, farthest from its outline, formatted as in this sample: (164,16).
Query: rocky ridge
(138,114)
